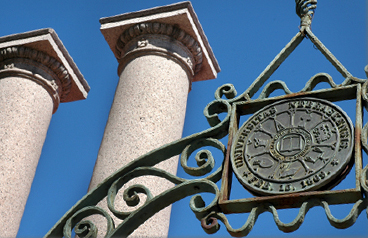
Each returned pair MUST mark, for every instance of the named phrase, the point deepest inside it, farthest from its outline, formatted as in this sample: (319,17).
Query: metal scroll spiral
(204,159)
(143,166)
(86,228)
(183,188)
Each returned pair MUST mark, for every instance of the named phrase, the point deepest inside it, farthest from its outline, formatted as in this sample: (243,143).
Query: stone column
(36,74)
(160,52)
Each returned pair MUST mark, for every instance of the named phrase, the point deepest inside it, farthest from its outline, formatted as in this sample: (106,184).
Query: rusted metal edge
(292,200)
(227,170)
(331,94)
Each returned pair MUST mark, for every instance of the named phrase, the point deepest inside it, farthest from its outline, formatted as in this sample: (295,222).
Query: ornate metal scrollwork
(85,228)
(228,101)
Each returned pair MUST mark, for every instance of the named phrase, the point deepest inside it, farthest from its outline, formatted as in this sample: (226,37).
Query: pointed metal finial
(305,10)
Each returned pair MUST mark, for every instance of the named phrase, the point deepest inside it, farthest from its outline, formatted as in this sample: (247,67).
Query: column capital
(160,39)
(40,56)
(177,23)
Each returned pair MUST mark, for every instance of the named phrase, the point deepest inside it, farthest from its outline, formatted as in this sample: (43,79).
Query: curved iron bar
(131,220)
(346,222)
(298,220)
(349,78)
(350,219)
(85,228)
(219,129)
(365,91)
(229,91)
(130,195)
(316,79)
(210,222)
(273,86)
(204,158)
(168,197)
(364,138)
(364,182)
(150,207)
(183,189)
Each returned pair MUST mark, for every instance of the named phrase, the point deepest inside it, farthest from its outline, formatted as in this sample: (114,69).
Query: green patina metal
(227,101)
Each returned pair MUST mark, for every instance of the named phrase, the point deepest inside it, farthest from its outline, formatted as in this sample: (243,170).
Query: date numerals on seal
(286,188)
(315,179)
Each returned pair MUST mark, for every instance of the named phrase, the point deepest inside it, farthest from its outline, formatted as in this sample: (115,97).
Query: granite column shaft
(32,84)
(158,61)
(148,111)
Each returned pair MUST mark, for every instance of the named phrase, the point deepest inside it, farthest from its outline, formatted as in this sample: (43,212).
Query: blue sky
(245,36)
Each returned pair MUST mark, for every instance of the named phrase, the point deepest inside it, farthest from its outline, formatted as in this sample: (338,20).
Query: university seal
(294,145)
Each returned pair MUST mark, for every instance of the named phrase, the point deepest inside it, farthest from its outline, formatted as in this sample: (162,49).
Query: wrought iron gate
(289,153)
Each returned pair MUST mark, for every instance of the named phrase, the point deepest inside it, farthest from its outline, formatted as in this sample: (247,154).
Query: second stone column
(158,60)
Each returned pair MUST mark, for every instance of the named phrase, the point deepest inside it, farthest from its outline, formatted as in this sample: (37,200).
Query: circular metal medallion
(293,145)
